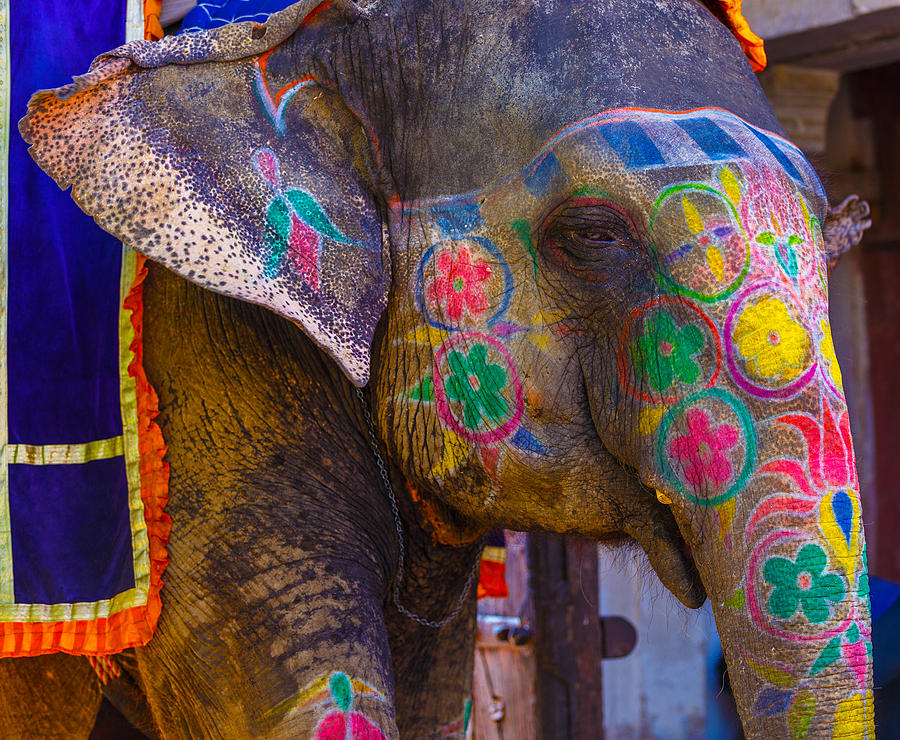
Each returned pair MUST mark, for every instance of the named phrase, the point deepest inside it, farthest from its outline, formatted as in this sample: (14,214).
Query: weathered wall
(834,34)
(770,18)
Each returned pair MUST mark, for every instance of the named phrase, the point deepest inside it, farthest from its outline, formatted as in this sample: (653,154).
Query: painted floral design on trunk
(665,352)
(802,584)
(726,357)
(773,344)
(702,452)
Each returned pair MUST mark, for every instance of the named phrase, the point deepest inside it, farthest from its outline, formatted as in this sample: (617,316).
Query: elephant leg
(49,697)
(292,652)
(434,670)
(282,544)
(433,666)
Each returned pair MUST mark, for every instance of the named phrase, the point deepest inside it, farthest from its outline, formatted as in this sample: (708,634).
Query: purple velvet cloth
(70,524)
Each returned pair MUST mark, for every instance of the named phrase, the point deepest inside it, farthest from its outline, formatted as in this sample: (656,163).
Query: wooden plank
(568,637)
(502,669)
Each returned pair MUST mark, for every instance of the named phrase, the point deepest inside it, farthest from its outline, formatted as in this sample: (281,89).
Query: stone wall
(843,35)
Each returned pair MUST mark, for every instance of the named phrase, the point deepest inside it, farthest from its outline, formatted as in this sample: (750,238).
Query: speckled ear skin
(845,226)
(224,156)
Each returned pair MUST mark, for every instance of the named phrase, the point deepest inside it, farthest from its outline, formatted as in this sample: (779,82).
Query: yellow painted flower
(827,347)
(775,346)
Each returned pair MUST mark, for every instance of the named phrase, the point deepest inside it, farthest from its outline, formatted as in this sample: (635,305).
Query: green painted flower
(785,248)
(477,385)
(802,583)
(665,352)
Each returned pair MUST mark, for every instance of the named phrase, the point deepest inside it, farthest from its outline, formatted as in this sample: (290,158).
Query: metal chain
(389,489)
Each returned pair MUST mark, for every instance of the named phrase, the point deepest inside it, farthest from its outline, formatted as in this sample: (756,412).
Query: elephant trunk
(770,509)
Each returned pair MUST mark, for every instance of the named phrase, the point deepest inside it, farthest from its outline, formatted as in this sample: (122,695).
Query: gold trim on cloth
(6,571)
(100,449)
(140,539)
(72,612)
(494,554)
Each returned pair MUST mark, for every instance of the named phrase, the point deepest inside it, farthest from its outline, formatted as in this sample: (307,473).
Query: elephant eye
(587,235)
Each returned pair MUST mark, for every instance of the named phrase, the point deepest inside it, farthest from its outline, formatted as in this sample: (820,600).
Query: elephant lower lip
(671,557)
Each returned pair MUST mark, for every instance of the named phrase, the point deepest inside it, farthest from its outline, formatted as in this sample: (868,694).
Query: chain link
(389,490)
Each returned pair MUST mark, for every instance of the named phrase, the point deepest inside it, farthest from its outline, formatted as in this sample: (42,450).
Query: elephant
(423,269)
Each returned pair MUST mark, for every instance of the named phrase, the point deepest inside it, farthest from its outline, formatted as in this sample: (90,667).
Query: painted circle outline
(756,613)
(823,372)
(795,386)
(749,459)
(670,282)
(491,249)
(620,352)
(443,403)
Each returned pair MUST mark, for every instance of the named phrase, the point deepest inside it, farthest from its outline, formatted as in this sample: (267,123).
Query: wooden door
(543,681)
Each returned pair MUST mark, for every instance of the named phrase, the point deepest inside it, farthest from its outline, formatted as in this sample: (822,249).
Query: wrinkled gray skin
(284,550)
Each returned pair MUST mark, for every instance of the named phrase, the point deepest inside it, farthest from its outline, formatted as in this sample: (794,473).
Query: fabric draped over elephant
(587,277)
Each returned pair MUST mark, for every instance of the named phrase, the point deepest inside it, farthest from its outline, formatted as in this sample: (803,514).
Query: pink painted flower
(701,453)
(460,285)
(341,726)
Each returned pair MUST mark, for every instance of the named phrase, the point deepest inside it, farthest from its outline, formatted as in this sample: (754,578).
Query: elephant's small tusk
(663,499)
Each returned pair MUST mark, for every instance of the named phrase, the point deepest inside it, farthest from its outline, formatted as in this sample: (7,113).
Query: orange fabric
(492,580)
(152,447)
(153,31)
(134,626)
(751,43)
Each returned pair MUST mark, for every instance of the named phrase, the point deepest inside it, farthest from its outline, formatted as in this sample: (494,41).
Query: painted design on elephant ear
(694,223)
(295,225)
(767,348)
(463,283)
(276,105)
(668,349)
(707,464)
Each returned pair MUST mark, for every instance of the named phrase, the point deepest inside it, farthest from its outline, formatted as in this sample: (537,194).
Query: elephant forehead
(631,155)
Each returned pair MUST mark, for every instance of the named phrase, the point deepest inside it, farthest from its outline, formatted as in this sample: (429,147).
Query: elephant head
(597,271)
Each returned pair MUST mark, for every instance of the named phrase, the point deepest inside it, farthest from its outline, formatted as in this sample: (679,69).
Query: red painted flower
(701,453)
(460,285)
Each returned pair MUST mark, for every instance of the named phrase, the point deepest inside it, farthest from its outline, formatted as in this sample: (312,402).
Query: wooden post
(567,637)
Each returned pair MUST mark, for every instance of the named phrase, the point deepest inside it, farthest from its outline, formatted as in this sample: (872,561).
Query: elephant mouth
(669,553)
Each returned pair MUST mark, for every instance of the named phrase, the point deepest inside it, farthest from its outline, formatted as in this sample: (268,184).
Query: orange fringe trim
(752,44)
(152,447)
(134,626)
(153,31)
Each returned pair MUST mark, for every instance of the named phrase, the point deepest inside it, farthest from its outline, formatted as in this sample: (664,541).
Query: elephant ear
(228,157)
(844,227)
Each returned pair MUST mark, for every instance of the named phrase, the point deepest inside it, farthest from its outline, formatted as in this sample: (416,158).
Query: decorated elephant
(554,267)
